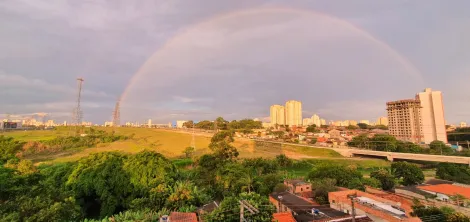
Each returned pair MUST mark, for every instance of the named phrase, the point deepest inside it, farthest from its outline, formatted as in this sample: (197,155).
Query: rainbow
(410,69)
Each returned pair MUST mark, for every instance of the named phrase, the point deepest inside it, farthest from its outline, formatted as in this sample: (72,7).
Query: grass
(172,144)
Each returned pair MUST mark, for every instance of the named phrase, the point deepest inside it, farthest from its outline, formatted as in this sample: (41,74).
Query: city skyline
(344,61)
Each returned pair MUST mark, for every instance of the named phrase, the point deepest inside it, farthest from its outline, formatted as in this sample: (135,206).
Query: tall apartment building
(278,115)
(404,120)
(323,122)
(293,113)
(382,121)
(316,120)
(432,116)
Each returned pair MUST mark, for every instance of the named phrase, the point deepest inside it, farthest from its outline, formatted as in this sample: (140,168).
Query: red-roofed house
(445,191)
(183,217)
(283,217)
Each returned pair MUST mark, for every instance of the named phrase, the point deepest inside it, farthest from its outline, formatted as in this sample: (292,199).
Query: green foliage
(444,214)
(311,129)
(352,127)
(362,125)
(322,187)
(61,143)
(382,142)
(101,182)
(387,181)
(222,147)
(189,151)
(343,175)
(188,124)
(130,215)
(439,147)
(313,140)
(8,148)
(407,173)
(229,208)
(283,161)
(372,182)
(280,187)
(455,172)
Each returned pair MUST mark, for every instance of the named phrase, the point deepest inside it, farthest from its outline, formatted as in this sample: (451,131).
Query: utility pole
(353,209)
(244,204)
(193,140)
(117,114)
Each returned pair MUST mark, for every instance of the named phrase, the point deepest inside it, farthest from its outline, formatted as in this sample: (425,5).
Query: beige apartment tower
(404,120)
(432,116)
(293,113)
(277,115)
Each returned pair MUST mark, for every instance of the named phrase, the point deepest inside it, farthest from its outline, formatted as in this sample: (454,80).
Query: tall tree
(407,173)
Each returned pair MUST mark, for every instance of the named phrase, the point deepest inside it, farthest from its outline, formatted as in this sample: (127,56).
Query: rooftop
(303,207)
(183,217)
(447,189)
(283,217)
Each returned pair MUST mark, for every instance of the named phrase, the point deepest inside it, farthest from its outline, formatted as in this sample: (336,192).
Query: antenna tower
(117,114)
(77,115)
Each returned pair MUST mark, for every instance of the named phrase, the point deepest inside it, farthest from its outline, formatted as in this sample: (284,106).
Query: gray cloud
(232,67)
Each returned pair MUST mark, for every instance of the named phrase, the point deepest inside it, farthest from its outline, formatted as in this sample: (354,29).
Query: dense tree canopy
(407,173)
(387,181)
(455,172)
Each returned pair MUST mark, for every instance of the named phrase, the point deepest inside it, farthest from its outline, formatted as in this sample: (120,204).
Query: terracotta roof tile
(183,217)
(447,189)
(283,217)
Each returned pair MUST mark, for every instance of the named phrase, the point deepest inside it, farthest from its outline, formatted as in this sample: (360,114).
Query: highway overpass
(351,151)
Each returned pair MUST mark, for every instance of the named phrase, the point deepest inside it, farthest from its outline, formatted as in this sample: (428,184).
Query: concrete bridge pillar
(390,157)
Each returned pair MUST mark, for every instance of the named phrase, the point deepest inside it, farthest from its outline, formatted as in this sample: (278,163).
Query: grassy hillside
(168,142)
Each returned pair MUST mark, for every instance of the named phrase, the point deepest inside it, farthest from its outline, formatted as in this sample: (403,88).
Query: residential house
(303,209)
(375,207)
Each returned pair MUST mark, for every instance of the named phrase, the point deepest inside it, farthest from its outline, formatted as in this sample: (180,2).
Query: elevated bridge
(351,152)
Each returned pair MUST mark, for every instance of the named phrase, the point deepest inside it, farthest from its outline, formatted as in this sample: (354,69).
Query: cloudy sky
(198,59)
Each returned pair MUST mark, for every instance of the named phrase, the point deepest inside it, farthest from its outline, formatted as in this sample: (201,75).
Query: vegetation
(432,213)
(407,173)
(387,181)
(455,172)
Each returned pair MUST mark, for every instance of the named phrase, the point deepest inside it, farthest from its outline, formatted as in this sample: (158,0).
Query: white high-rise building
(277,115)
(307,122)
(149,123)
(316,120)
(293,113)
(432,116)
(322,122)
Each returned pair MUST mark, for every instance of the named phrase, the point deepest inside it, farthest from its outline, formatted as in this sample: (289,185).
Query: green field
(171,144)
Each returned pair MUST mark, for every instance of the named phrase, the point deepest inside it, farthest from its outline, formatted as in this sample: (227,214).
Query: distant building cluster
(418,120)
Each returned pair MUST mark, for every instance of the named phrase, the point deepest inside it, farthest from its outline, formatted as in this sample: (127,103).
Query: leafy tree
(26,167)
(455,172)
(363,125)
(313,140)
(278,134)
(343,175)
(352,127)
(188,151)
(321,189)
(457,217)
(222,147)
(185,194)
(360,141)
(439,147)
(383,142)
(206,124)
(382,127)
(8,148)
(229,209)
(311,129)
(283,160)
(222,124)
(408,173)
(371,182)
(188,124)
(100,182)
(386,180)
(280,187)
